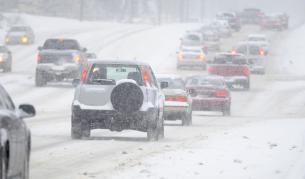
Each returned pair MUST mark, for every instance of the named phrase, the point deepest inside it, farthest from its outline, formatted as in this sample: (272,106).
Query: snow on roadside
(265,150)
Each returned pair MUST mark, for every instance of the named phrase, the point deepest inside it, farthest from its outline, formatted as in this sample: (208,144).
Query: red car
(209,93)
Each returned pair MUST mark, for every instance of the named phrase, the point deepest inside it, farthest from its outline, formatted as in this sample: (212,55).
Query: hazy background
(155,11)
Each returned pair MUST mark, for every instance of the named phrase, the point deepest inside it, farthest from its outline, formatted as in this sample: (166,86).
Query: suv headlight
(24,39)
(77,58)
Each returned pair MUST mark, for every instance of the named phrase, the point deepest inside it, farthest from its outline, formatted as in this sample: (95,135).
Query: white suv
(117,95)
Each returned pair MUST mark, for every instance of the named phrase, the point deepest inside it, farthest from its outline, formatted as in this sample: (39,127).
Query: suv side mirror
(75,82)
(27,110)
(164,84)
(39,48)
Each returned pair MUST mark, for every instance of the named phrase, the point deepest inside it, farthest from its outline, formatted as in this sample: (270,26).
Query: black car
(15,138)
(5,59)
(58,60)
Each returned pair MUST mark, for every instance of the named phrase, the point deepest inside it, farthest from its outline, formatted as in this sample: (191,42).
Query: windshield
(230,59)
(17,29)
(202,81)
(173,83)
(112,73)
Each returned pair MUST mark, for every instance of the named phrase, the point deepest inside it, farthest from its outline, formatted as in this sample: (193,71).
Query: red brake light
(211,70)
(176,98)
(84,73)
(201,57)
(180,56)
(221,93)
(262,52)
(246,71)
(233,52)
(145,75)
(39,57)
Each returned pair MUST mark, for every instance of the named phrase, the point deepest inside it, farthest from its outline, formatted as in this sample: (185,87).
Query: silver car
(20,35)
(178,103)
(118,95)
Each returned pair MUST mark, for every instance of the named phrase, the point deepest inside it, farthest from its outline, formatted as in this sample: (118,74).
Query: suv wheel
(247,85)
(3,169)
(152,133)
(39,79)
(79,128)
(226,110)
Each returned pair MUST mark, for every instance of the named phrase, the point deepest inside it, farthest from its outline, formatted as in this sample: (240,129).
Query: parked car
(223,27)
(118,95)
(209,93)
(193,57)
(20,35)
(178,103)
(58,60)
(251,16)
(233,67)
(5,59)
(231,18)
(255,54)
(15,138)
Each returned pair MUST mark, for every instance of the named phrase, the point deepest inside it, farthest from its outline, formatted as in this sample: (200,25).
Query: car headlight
(24,39)
(1,58)
(77,58)
(7,39)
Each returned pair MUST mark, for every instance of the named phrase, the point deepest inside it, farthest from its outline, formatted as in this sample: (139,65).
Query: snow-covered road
(264,137)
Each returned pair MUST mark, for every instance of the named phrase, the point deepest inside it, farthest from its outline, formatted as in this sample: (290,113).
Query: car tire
(247,85)
(226,110)
(7,69)
(39,79)
(152,133)
(186,120)
(76,128)
(161,130)
(25,172)
(3,164)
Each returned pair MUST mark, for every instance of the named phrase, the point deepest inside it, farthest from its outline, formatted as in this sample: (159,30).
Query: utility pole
(81,10)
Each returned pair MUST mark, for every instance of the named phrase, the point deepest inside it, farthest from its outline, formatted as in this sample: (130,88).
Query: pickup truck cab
(233,67)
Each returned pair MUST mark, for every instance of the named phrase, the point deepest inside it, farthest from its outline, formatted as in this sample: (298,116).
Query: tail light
(176,98)
(262,52)
(39,57)
(246,71)
(201,57)
(145,75)
(221,93)
(1,59)
(84,73)
(233,52)
(211,70)
(180,56)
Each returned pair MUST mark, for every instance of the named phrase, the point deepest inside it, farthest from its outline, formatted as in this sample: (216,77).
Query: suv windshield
(61,44)
(173,83)
(108,74)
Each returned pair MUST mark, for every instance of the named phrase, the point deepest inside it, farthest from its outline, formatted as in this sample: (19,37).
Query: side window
(5,101)
(153,78)
(242,49)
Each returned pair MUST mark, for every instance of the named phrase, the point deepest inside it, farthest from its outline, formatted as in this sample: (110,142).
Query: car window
(199,81)
(173,83)
(111,73)
(153,79)
(254,50)
(230,59)
(61,44)
(5,100)
(242,49)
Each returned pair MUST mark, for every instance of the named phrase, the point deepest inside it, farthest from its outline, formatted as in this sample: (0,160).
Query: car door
(16,130)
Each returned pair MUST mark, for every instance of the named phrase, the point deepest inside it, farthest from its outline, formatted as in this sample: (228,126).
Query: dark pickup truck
(233,67)
(59,59)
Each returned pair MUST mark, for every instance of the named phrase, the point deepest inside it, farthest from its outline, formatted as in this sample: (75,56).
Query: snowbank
(265,150)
